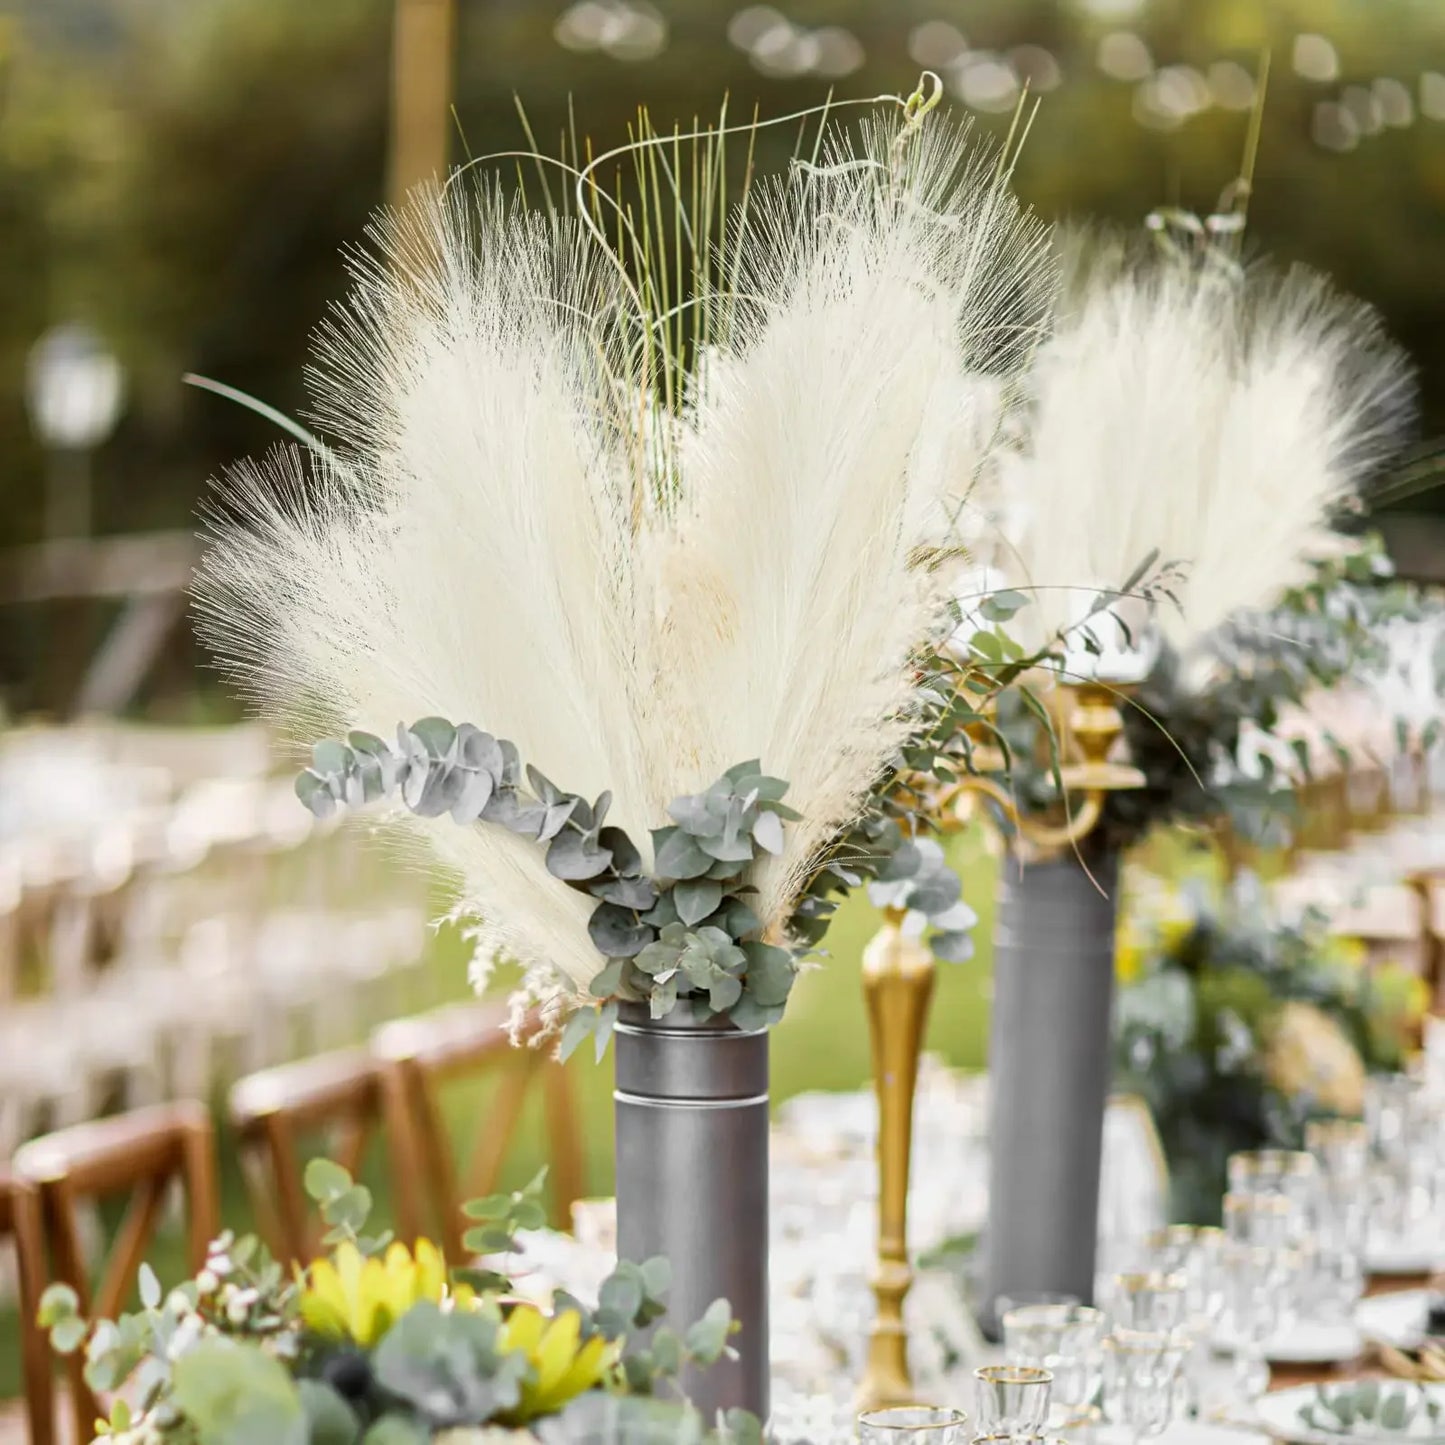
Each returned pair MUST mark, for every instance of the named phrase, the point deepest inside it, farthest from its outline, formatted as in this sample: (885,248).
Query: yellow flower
(352,1297)
(1309,1053)
(1174,931)
(1128,952)
(562,1365)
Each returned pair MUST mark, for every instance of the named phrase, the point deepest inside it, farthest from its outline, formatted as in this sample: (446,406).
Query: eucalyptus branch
(686,933)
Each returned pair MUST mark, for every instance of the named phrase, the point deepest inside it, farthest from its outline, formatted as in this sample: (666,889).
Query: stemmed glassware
(1141,1372)
(1259,1305)
(1196,1252)
(1268,1220)
(1013,1400)
(1341,1214)
(1064,1340)
(912,1425)
(1150,1300)
(1403,1126)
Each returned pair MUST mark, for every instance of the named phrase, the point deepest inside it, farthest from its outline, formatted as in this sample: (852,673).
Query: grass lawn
(822,1044)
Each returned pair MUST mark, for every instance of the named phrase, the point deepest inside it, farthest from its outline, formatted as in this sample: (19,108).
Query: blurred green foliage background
(185,173)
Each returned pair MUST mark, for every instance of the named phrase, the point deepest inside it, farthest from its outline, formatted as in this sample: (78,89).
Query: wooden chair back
(337,1094)
(1429,885)
(20,1224)
(142,1153)
(469,1040)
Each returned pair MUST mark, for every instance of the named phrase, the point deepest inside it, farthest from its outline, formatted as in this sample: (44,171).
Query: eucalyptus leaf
(696,899)
(330,1420)
(572,858)
(436,734)
(770,974)
(678,855)
(663,998)
(609,980)
(768,831)
(578,1026)
(625,857)
(616,931)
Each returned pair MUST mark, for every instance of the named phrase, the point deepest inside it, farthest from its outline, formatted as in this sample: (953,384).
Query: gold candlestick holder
(898,981)
(898,978)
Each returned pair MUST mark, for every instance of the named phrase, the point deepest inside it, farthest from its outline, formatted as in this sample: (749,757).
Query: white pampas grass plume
(517,529)
(1215,422)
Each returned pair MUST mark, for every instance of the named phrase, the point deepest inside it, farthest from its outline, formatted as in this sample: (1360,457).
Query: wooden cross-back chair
(19,1213)
(142,1152)
(1429,885)
(469,1040)
(336,1094)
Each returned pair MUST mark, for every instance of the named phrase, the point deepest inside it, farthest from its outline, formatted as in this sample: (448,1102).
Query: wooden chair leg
(59,1208)
(563,1141)
(289,1199)
(404,1150)
(37,1365)
(198,1146)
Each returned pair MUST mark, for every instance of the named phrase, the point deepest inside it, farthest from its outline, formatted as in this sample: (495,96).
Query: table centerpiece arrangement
(381,1341)
(1210,420)
(660,498)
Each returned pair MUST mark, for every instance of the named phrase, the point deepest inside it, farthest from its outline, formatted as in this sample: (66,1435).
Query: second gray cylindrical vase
(692,1183)
(1050,1060)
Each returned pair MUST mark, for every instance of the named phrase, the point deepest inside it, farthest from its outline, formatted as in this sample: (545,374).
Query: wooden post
(421,92)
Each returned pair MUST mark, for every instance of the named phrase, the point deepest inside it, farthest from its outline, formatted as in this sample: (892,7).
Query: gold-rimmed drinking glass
(1064,1340)
(1197,1252)
(1268,1220)
(1150,1300)
(913,1425)
(1293,1174)
(1141,1374)
(1341,1147)
(1259,1305)
(1017,1299)
(1193,1250)
(1012,1400)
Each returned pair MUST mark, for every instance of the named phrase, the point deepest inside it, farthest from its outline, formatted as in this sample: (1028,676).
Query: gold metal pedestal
(898,975)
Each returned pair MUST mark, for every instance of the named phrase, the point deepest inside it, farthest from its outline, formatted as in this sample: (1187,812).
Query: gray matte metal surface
(692,1182)
(1049,1071)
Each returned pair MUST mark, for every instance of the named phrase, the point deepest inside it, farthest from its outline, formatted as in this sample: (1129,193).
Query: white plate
(1398,1319)
(1278,1413)
(1308,1343)
(1421,1255)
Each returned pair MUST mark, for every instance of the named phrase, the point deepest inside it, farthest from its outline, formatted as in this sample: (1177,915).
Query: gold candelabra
(898,979)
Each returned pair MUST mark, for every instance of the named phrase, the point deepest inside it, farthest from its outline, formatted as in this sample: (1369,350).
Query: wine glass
(1147,1300)
(1268,1220)
(1141,1369)
(1196,1252)
(1062,1340)
(1259,1306)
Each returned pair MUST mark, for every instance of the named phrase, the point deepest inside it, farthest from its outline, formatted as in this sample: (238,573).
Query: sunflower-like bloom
(563,1365)
(351,1297)
(1309,1054)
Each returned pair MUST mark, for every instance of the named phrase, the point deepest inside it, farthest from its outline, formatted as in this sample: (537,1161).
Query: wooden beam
(143,565)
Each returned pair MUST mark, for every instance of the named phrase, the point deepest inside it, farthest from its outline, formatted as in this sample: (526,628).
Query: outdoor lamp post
(73,389)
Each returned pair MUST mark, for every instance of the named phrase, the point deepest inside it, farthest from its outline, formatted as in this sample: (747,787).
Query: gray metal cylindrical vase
(692,1182)
(1049,1068)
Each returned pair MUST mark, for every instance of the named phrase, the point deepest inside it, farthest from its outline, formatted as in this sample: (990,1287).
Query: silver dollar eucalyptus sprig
(685,933)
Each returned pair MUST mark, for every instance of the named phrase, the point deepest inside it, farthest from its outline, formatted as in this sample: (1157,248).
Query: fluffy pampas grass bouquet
(644,495)
(1195,419)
